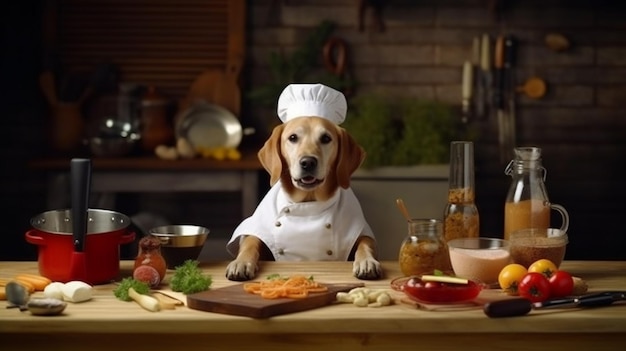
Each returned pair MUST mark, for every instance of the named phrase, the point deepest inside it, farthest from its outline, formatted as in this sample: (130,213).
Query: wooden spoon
(557,42)
(403,209)
(534,88)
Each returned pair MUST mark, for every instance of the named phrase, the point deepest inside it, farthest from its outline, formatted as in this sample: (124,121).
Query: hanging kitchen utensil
(557,42)
(335,53)
(485,83)
(466,90)
(80,188)
(498,97)
(520,307)
(534,88)
(510,47)
(377,13)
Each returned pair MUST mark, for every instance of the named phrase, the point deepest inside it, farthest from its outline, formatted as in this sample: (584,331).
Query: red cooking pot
(106,231)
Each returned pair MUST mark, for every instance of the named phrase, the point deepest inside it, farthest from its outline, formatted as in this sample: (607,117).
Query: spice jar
(527,204)
(150,255)
(461,219)
(424,250)
(155,127)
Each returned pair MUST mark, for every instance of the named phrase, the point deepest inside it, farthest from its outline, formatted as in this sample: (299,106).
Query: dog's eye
(325,139)
(293,138)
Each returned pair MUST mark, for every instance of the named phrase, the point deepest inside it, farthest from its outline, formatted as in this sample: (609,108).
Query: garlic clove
(77,291)
(54,290)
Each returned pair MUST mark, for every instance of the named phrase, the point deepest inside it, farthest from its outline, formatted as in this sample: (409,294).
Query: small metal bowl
(111,146)
(180,242)
(113,138)
(46,306)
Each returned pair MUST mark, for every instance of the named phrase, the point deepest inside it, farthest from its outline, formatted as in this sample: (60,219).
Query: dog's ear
(270,155)
(349,157)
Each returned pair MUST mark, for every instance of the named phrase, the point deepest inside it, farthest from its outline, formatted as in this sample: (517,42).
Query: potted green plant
(402,132)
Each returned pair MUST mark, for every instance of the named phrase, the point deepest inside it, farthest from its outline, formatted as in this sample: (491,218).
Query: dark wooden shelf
(248,161)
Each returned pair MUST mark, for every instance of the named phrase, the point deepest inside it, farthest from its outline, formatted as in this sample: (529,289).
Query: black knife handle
(507,308)
(80,173)
(510,50)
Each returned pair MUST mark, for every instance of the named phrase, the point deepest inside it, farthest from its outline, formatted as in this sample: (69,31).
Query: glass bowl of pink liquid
(480,258)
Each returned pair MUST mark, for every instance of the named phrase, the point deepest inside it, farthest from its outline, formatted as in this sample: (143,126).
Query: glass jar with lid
(527,204)
(424,250)
(461,218)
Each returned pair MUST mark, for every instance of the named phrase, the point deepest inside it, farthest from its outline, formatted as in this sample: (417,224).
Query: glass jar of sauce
(527,204)
(461,218)
(424,249)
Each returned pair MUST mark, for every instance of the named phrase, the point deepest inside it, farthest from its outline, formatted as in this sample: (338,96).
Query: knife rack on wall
(162,43)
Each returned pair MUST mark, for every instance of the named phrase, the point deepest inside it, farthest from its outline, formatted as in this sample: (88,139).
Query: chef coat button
(287,210)
(328,225)
(278,224)
(329,252)
(281,251)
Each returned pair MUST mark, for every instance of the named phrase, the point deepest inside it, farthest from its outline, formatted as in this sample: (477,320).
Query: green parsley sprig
(189,279)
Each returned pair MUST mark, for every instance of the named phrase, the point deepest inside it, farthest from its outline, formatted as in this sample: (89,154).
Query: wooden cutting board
(234,300)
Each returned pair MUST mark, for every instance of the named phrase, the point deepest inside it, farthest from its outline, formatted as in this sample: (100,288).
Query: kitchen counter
(105,322)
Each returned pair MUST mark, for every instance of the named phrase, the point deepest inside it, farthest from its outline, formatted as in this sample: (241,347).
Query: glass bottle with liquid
(461,218)
(424,250)
(527,204)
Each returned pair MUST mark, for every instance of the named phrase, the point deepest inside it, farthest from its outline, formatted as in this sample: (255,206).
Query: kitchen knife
(510,46)
(521,306)
(498,97)
(484,80)
(467,83)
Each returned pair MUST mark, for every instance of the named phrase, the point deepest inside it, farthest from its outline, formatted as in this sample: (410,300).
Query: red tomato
(561,284)
(534,287)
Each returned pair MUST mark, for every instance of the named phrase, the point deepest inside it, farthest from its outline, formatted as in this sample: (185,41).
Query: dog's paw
(367,269)
(241,270)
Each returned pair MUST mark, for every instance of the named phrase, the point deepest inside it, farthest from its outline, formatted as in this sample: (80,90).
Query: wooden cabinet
(167,44)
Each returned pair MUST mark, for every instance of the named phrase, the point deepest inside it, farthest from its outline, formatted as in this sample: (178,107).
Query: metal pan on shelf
(207,125)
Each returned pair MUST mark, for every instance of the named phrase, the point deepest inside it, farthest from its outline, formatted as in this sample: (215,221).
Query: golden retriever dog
(313,159)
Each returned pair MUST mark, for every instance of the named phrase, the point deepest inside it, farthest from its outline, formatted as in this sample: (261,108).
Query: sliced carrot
(39,282)
(295,287)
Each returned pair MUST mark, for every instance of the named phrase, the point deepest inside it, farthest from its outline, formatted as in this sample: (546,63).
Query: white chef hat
(299,100)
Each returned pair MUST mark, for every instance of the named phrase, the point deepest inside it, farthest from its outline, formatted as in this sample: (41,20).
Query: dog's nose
(308,163)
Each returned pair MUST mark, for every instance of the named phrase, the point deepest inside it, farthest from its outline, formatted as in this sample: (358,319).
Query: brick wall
(580,124)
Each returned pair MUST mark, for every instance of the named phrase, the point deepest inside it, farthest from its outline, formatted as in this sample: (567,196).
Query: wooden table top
(105,314)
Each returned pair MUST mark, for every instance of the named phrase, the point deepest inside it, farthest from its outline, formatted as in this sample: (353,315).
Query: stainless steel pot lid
(207,125)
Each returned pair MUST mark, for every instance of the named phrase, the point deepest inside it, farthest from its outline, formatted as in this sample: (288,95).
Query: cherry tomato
(510,276)
(535,287)
(433,285)
(543,266)
(561,284)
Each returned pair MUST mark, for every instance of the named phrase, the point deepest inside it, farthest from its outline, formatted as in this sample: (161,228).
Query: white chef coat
(305,231)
